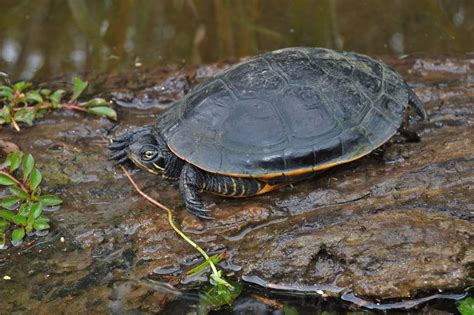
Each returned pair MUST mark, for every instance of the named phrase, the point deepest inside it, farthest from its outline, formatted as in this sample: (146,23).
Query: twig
(15,125)
(74,107)
(170,220)
(17,182)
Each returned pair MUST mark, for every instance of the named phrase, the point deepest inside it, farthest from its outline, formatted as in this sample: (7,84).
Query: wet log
(392,225)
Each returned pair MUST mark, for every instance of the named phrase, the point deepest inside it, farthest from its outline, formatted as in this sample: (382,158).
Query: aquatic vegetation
(21,211)
(221,291)
(19,103)
(466,306)
(216,296)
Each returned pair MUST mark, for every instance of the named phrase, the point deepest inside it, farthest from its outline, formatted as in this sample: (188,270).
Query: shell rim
(300,171)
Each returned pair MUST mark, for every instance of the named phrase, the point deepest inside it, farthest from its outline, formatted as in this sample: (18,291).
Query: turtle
(271,120)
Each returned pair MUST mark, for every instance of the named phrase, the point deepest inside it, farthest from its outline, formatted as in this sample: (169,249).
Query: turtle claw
(117,145)
(201,215)
(117,155)
(127,135)
(120,156)
(199,211)
(123,160)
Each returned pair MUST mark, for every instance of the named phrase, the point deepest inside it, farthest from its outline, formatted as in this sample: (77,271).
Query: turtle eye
(148,155)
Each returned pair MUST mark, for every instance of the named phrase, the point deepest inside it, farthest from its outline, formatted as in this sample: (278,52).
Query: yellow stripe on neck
(158,167)
(142,166)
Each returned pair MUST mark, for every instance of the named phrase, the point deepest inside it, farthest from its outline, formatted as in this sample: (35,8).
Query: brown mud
(386,227)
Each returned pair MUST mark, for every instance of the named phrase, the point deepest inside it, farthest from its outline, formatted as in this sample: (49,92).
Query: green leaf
(219,280)
(19,193)
(8,202)
(5,180)
(7,215)
(28,164)
(35,210)
(6,93)
(14,160)
(95,102)
(42,219)
(103,111)
(58,94)
(25,115)
(56,97)
(214,258)
(5,88)
(40,225)
(20,86)
(35,178)
(218,295)
(50,200)
(5,117)
(39,113)
(2,240)
(8,161)
(466,306)
(34,97)
(24,209)
(45,92)
(79,87)
(18,234)
(4,225)
(19,219)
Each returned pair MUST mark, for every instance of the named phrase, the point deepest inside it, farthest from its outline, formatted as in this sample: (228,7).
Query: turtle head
(144,147)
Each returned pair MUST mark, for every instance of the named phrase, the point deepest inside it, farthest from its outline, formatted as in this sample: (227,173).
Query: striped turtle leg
(193,180)
(413,101)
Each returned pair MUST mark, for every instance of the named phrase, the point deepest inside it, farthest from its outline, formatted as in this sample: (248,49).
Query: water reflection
(43,38)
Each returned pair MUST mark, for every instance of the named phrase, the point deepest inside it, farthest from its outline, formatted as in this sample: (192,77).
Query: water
(114,240)
(44,38)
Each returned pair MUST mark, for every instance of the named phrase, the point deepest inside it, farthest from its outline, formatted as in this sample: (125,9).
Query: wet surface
(123,35)
(384,228)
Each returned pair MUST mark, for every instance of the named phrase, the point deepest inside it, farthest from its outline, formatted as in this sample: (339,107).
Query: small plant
(21,211)
(217,295)
(466,306)
(21,104)
(221,291)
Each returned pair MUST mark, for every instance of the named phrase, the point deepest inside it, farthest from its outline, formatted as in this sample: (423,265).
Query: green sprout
(218,295)
(222,291)
(21,211)
(215,259)
(21,104)
(466,306)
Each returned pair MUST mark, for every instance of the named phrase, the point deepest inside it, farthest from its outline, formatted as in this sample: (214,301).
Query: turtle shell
(287,112)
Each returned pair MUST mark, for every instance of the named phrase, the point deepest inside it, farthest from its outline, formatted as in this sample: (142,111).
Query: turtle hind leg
(379,153)
(409,135)
(404,130)
(231,186)
(414,101)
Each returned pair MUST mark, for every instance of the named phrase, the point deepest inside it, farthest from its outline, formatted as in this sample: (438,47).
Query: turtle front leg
(194,180)
(191,182)
(119,146)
